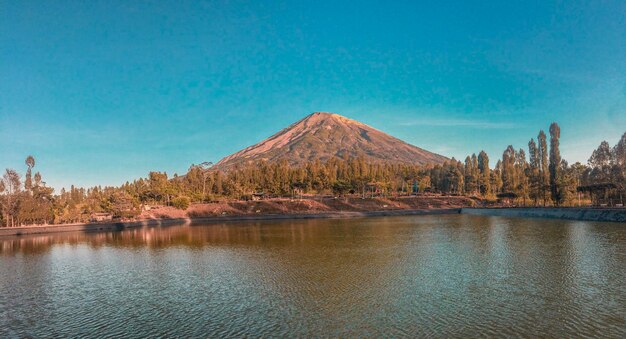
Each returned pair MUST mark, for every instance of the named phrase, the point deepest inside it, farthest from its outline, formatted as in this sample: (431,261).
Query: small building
(603,194)
(98,217)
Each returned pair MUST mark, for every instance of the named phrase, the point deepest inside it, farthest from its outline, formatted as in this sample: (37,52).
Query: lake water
(452,276)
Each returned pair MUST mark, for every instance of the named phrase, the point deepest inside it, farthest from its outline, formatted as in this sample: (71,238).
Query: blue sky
(101,92)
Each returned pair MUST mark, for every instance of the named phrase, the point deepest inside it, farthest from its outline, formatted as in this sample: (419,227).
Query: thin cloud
(459,123)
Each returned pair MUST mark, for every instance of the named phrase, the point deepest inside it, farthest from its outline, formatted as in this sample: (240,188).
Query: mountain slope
(326,135)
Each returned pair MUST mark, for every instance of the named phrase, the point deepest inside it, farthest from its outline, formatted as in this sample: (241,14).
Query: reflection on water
(451,275)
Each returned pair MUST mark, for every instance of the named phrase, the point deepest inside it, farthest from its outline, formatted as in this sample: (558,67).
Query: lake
(444,276)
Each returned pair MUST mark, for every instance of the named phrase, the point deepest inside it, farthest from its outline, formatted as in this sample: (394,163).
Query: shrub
(182,202)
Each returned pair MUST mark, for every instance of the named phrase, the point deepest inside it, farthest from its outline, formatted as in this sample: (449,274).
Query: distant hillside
(326,135)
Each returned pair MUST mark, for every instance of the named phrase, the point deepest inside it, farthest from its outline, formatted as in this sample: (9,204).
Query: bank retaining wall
(587,214)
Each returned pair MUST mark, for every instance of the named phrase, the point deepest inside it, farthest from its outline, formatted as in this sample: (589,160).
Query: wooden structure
(603,194)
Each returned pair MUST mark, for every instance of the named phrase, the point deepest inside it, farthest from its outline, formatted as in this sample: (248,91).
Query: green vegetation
(181,202)
(545,179)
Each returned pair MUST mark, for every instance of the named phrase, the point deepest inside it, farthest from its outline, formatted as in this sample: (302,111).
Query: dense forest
(542,178)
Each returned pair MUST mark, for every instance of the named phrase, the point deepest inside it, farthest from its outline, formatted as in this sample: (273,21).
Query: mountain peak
(328,116)
(323,135)
(322,114)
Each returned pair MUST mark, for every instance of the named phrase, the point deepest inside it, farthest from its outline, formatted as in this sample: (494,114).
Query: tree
(452,179)
(459,177)
(219,183)
(485,174)
(576,175)
(555,163)
(496,178)
(11,185)
(619,161)
(533,171)
(600,162)
(36,206)
(608,166)
(38,179)
(542,155)
(522,171)
(30,162)
(471,174)
(159,186)
(424,184)
(341,187)
(120,204)
(509,175)
(2,215)
(204,172)
(619,152)
(567,183)
(476,171)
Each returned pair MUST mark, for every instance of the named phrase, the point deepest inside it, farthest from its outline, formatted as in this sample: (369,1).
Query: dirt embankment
(309,206)
(267,210)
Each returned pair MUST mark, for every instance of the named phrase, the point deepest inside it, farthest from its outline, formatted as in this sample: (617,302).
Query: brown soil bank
(586,214)
(268,210)
(324,205)
(117,226)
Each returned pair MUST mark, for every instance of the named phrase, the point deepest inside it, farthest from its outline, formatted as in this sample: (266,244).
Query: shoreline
(566,213)
(118,226)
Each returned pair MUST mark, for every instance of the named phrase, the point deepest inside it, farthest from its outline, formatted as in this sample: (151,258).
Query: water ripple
(424,276)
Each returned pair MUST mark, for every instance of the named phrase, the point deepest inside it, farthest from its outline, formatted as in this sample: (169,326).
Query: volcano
(325,135)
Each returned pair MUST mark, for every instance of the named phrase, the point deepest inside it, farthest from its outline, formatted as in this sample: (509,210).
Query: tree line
(542,178)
